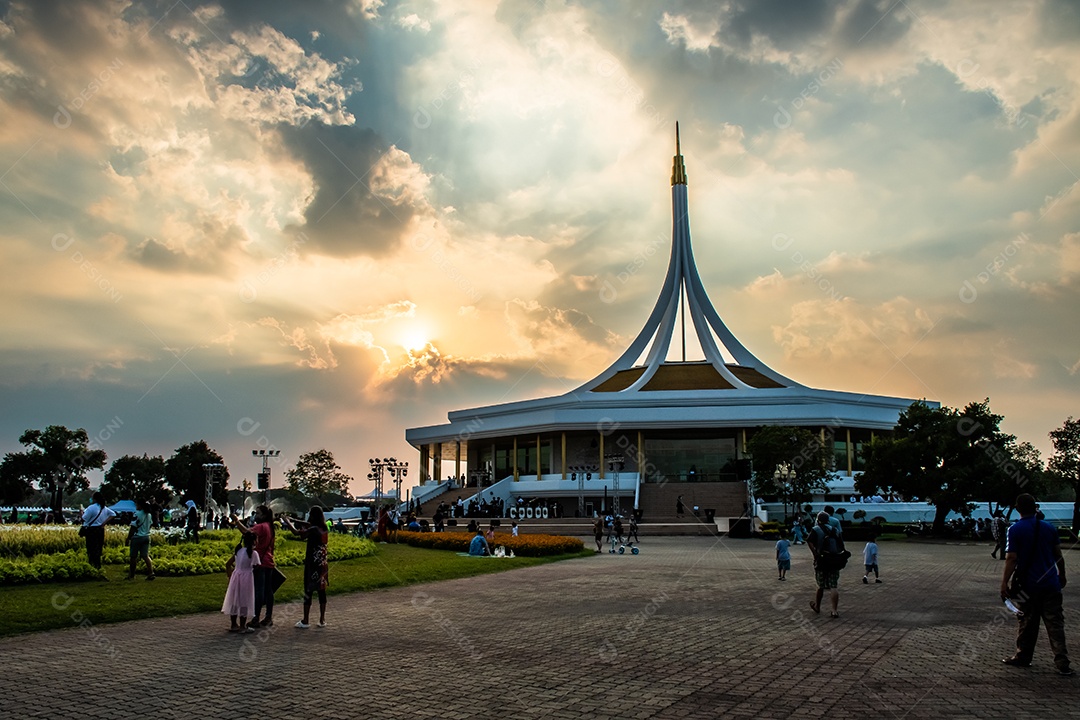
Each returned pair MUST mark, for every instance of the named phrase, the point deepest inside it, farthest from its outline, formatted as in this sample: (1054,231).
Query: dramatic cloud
(246,223)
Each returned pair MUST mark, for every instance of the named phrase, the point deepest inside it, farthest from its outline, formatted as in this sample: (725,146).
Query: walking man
(1033,577)
(1000,529)
(826,545)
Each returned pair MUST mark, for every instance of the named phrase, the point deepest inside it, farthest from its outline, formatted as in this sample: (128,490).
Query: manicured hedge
(54,567)
(524,545)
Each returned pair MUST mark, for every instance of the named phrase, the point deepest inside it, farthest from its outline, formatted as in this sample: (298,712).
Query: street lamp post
(264,476)
(782,479)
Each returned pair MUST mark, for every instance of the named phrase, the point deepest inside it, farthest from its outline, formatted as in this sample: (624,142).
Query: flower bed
(523,545)
(23,541)
(50,555)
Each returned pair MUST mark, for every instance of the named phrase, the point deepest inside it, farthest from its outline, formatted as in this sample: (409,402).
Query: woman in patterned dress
(315,562)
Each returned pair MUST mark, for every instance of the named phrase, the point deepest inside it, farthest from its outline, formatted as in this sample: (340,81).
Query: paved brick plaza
(691,628)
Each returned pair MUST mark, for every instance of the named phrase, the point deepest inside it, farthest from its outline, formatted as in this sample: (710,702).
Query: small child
(869,555)
(240,597)
(514,529)
(783,557)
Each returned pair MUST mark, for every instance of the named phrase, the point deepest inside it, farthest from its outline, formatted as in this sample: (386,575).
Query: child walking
(783,557)
(316,565)
(239,602)
(869,555)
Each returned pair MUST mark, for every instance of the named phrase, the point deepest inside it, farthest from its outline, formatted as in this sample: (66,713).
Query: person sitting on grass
(479,546)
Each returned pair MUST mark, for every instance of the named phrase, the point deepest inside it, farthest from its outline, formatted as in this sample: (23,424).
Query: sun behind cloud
(414,337)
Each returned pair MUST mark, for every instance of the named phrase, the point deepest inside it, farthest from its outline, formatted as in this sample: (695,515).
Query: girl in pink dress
(240,597)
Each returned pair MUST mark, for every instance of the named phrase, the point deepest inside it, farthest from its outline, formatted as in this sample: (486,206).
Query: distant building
(669,427)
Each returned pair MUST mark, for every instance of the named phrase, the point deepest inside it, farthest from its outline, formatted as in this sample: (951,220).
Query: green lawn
(29,608)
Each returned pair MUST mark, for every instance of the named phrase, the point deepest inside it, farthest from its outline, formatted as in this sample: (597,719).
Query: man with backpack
(830,557)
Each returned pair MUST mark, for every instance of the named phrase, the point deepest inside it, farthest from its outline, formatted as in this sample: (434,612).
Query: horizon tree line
(56,461)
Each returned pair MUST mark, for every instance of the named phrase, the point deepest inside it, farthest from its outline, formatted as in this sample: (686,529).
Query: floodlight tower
(264,475)
(398,471)
(210,468)
(615,464)
(376,476)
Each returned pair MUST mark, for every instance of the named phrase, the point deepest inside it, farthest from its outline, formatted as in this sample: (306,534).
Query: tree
(946,456)
(317,474)
(1019,469)
(789,462)
(1064,464)
(56,459)
(136,478)
(185,474)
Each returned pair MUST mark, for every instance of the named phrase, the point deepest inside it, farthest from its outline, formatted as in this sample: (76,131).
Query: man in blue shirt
(833,520)
(1033,554)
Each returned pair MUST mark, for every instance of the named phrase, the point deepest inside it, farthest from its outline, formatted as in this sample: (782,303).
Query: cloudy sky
(308,225)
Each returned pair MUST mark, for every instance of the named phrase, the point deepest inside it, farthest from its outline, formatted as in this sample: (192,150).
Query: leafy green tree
(56,460)
(185,474)
(791,463)
(1064,464)
(317,474)
(1018,469)
(136,478)
(947,457)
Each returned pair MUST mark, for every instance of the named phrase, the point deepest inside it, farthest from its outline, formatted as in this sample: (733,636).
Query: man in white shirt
(93,528)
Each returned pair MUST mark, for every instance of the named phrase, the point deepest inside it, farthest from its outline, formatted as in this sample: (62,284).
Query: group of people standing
(613,526)
(253,577)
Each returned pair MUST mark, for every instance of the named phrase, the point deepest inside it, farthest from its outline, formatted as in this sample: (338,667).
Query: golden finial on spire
(678,169)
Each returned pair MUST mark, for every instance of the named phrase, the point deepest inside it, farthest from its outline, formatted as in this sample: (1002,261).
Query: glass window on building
(860,440)
(503,466)
(527,460)
(840,456)
(690,459)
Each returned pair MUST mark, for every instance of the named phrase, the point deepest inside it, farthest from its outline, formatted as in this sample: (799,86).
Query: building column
(437,463)
(850,452)
(641,456)
(562,462)
(602,468)
(425,455)
(457,460)
(513,461)
(539,465)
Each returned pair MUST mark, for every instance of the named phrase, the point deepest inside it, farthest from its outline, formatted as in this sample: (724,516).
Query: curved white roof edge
(784,406)
(684,399)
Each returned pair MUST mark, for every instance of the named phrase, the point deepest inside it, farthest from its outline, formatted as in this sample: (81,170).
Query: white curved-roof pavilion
(731,389)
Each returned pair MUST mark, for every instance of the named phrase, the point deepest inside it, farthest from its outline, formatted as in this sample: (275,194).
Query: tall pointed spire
(678,170)
(682,287)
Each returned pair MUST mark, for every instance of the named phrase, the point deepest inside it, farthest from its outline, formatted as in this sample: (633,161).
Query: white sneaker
(321,625)
(302,625)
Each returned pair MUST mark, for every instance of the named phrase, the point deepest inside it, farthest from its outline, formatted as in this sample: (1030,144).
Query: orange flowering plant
(523,545)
